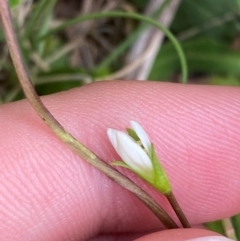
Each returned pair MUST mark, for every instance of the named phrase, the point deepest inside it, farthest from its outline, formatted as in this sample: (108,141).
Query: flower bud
(138,154)
(131,153)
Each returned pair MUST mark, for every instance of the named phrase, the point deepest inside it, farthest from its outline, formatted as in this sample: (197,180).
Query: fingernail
(211,238)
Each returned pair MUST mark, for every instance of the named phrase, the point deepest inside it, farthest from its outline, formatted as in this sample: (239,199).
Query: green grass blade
(34,16)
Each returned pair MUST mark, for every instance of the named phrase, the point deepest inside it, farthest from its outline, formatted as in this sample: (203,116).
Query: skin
(48,193)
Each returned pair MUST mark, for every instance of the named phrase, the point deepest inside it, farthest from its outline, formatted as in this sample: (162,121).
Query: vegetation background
(123,48)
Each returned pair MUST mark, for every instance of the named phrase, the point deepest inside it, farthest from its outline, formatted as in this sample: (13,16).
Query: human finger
(49,193)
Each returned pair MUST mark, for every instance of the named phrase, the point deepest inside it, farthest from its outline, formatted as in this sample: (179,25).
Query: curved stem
(176,207)
(134,16)
(55,126)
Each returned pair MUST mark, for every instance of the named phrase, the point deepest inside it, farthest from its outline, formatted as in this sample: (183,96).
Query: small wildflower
(138,155)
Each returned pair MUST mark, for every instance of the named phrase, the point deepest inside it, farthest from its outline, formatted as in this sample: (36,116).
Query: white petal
(112,135)
(133,154)
(142,135)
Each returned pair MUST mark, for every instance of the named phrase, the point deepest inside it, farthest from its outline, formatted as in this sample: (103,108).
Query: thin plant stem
(148,20)
(56,127)
(229,229)
(176,207)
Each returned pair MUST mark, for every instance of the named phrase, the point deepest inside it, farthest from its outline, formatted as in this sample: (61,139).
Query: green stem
(128,15)
(176,207)
(56,127)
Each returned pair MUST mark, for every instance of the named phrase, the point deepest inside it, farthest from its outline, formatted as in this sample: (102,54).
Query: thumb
(184,235)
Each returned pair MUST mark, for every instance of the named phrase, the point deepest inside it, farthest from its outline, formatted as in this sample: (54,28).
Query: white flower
(131,152)
(139,157)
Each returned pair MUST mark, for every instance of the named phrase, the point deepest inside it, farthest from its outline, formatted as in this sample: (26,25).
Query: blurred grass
(209,35)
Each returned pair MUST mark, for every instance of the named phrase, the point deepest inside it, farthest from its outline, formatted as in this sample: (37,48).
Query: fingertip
(183,235)
(195,130)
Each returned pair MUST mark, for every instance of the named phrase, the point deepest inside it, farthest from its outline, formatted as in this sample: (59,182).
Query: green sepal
(161,181)
(123,164)
(133,134)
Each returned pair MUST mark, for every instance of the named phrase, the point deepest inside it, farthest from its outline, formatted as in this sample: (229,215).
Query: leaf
(218,80)
(215,226)
(203,55)
(202,14)
(236,224)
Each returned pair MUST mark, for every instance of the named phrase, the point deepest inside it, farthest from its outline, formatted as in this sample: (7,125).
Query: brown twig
(55,126)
